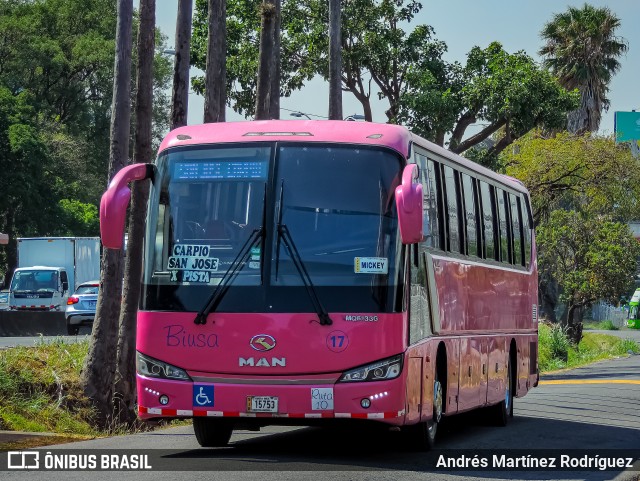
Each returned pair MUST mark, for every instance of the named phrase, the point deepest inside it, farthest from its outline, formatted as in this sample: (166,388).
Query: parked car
(4,300)
(81,307)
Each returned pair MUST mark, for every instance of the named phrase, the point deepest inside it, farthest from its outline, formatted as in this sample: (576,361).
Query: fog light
(164,399)
(365,403)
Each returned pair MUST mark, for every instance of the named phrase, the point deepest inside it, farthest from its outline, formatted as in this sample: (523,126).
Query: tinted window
(420,319)
(487,220)
(502,226)
(526,229)
(468,187)
(453,215)
(87,289)
(430,192)
(516,223)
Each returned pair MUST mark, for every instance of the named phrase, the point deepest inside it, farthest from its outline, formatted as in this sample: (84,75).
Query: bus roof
(392,136)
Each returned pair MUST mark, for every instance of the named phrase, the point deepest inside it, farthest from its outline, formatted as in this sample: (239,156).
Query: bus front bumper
(382,401)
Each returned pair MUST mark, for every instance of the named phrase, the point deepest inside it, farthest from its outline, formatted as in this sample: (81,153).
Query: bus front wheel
(212,433)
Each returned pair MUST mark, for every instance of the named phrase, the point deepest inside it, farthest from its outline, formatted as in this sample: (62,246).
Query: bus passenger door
(414,389)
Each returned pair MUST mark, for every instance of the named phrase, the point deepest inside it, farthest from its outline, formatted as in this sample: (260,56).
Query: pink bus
(298,272)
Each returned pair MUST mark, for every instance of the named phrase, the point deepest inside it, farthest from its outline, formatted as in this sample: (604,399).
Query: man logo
(262,342)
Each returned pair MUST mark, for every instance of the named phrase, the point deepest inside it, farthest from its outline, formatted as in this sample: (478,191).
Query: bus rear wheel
(212,433)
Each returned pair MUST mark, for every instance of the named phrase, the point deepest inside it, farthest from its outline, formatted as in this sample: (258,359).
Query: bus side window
(516,222)
(435,173)
(453,209)
(471,226)
(526,229)
(430,202)
(502,226)
(419,312)
(487,217)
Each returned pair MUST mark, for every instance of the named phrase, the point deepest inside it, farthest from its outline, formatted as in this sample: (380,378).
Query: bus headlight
(147,366)
(378,371)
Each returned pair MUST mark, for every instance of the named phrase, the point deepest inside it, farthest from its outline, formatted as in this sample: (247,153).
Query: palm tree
(582,50)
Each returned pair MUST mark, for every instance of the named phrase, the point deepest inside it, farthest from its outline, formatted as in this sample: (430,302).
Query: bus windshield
(335,202)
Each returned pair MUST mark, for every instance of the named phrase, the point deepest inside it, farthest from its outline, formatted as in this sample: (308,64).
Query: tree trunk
(180,93)
(215,97)
(573,323)
(12,248)
(335,61)
(274,97)
(125,383)
(266,66)
(100,364)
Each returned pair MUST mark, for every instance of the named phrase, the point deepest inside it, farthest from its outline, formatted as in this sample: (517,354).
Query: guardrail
(23,323)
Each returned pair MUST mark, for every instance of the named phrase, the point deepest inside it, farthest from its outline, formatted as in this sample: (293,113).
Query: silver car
(4,301)
(81,307)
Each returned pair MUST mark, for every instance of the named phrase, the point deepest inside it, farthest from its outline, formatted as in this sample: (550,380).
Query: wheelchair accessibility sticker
(202,395)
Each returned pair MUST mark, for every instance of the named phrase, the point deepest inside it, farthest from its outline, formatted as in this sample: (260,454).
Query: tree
(216,74)
(99,368)
(243,39)
(266,65)
(509,93)
(335,61)
(586,174)
(180,93)
(124,386)
(592,259)
(582,50)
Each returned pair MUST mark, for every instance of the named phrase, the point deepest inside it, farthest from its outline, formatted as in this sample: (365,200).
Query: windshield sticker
(192,263)
(337,341)
(255,253)
(371,265)
(321,398)
(254,265)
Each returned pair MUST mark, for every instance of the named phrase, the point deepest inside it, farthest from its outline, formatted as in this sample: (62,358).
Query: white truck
(49,270)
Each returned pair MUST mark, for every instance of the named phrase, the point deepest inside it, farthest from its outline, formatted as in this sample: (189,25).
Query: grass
(40,389)
(602,326)
(556,352)
(40,392)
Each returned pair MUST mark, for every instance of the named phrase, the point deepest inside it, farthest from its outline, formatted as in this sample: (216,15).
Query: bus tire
(212,433)
(504,409)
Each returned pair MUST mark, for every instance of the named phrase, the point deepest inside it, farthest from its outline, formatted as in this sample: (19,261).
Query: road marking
(591,381)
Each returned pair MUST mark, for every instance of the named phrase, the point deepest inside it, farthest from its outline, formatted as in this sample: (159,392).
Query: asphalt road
(594,407)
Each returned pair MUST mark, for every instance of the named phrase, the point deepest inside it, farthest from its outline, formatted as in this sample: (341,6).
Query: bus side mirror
(409,205)
(65,286)
(114,202)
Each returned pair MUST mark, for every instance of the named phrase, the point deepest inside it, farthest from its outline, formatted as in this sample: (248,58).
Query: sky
(463,24)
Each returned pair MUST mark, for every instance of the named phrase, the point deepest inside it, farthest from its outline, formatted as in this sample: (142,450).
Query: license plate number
(91,304)
(262,404)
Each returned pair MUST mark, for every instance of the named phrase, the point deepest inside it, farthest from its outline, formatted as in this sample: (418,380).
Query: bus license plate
(262,404)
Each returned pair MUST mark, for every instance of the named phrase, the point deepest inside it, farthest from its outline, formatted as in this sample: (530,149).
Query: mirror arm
(114,202)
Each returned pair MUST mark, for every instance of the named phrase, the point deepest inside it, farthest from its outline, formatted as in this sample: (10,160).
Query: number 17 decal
(337,341)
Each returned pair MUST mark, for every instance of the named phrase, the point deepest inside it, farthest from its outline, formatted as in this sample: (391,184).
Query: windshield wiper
(229,275)
(323,315)
(284,234)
